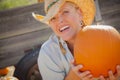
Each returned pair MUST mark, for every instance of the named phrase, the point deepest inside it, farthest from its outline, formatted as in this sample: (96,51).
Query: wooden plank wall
(110,10)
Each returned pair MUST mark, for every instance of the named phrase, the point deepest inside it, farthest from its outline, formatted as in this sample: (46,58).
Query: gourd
(97,48)
(4,71)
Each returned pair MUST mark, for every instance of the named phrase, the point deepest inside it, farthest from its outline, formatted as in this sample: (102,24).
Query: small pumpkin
(97,48)
(4,71)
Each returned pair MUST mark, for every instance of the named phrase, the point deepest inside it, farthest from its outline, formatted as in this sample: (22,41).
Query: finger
(92,78)
(72,63)
(88,77)
(102,78)
(77,68)
(84,74)
(118,70)
(111,76)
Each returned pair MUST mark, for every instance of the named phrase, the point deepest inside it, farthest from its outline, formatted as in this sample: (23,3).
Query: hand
(112,76)
(75,74)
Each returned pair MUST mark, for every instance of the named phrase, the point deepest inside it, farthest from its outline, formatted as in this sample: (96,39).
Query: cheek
(53,27)
(73,18)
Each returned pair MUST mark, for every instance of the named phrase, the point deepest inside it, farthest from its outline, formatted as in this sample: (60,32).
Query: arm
(48,68)
(51,71)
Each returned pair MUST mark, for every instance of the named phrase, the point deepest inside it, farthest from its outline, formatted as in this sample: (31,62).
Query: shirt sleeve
(49,70)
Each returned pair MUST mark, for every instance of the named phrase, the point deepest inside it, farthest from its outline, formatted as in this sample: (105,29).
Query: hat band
(51,4)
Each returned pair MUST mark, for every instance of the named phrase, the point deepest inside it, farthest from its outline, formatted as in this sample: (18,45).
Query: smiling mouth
(63,28)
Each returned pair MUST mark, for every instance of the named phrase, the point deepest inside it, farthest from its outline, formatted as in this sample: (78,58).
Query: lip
(64,28)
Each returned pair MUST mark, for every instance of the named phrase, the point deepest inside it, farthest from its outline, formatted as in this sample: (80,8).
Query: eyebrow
(63,9)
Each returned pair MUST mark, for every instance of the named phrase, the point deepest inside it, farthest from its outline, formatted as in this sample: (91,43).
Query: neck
(71,45)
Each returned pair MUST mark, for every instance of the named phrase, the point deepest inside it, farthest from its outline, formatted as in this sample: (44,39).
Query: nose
(60,19)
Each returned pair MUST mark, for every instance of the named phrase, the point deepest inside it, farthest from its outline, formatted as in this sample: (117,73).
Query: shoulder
(52,42)
(50,53)
(50,48)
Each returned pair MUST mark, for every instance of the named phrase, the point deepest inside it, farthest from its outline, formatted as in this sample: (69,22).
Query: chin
(66,38)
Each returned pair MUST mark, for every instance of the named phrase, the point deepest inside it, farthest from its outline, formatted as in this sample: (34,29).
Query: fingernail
(110,71)
(90,76)
(80,66)
(88,72)
(101,76)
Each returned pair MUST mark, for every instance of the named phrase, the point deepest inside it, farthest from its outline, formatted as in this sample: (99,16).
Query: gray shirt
(52,63)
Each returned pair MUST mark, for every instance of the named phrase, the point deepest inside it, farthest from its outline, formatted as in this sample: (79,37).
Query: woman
(66,18)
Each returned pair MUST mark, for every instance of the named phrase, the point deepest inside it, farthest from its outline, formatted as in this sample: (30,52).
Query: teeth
(63,28)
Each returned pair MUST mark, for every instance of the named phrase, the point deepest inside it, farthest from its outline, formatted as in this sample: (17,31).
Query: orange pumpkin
(97,48)
(4,71)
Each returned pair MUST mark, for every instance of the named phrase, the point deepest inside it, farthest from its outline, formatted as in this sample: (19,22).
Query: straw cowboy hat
(52,7)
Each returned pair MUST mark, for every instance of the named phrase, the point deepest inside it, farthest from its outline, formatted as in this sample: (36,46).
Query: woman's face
(66,23)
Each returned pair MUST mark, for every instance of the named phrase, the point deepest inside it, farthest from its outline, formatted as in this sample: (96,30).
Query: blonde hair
(74,5)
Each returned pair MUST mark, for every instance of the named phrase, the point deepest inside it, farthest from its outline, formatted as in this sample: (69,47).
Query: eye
(65,12)
(53,19)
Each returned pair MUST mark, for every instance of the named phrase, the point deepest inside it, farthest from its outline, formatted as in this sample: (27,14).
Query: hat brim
(51,13)
(87,7)
(39,17)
